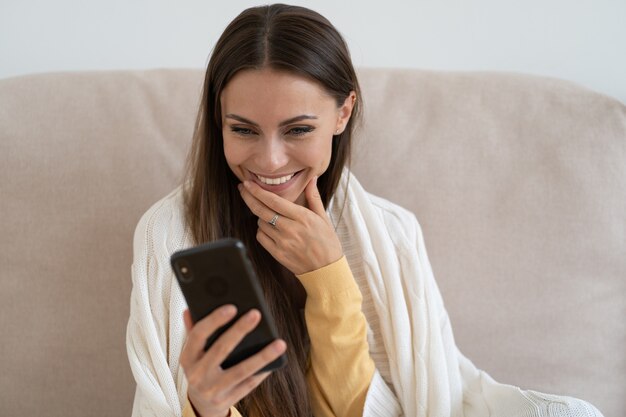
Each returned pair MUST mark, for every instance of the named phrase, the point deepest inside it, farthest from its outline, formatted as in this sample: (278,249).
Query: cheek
(322,156)
(233,152)
(234,155)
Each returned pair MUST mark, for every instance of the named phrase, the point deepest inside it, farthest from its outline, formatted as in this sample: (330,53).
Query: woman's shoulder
(353,191)
(167,210)
(163,223)
(401,224)
(390,211)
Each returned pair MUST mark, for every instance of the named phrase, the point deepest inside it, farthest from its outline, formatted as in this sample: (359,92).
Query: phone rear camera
(184,270)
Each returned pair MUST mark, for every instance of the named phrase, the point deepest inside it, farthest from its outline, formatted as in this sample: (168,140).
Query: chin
(293,197)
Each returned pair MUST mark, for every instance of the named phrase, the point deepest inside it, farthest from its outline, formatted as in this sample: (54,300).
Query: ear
(345,112)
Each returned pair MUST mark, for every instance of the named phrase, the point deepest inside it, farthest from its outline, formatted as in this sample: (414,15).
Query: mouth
(276,180)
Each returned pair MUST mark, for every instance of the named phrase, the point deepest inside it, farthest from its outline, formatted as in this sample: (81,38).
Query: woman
(268,166)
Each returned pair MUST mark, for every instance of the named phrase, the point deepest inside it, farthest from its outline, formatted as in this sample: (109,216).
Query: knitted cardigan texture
(419,370)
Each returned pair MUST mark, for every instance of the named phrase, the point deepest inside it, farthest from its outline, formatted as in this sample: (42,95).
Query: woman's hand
(303,239)
(213,390)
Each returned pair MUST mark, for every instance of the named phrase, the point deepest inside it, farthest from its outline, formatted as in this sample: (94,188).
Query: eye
(300,130)
(242,131)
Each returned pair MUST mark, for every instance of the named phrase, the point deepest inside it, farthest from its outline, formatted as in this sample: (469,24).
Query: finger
(264,213)
(267,242)
(314,199)
(257,207)
(196,339)
(274,202)
(272,231)
(188,320)
(228,341)
(245,387)
(241,372)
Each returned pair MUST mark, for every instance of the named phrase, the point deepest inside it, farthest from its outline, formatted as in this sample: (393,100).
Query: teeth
(275,181)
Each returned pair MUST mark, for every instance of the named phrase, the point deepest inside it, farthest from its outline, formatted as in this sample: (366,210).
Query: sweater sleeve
(341,367)
(188,411)
(156,333)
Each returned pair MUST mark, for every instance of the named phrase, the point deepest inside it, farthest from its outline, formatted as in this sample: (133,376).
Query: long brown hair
(287,38)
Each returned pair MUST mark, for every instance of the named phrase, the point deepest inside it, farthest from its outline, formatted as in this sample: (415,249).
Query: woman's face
(278,129)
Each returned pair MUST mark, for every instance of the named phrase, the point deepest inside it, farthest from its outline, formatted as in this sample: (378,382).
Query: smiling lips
(275,181)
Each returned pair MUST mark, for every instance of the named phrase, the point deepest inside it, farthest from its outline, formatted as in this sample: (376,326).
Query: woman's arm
(341,367)
(305,242)
(147,337)
(157,340)
(189,411)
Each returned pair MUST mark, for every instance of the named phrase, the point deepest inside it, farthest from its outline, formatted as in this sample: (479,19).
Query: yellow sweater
(341,367)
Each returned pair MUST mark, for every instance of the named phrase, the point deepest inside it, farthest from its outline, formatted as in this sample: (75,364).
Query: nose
(272,154)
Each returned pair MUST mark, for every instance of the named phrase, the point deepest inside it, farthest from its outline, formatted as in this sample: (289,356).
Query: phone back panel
(218,273)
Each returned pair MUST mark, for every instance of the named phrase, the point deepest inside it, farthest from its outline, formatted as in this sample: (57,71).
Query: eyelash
(302,130)
(295,131)
(241,131)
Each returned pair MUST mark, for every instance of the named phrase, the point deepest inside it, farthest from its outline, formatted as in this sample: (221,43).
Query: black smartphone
(218,273)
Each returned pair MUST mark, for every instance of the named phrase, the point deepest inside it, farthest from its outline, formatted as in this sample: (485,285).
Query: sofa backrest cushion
(519,183)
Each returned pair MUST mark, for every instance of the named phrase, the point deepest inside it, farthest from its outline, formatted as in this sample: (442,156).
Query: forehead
(267,93)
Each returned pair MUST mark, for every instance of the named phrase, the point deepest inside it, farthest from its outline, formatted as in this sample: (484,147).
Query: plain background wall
(582,41)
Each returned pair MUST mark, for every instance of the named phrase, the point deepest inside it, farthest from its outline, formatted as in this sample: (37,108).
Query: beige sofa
(519,183)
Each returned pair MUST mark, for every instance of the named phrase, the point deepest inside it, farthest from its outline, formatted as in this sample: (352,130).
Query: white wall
(582,40)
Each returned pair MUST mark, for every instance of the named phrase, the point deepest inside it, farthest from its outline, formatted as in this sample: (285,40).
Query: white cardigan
(420,372)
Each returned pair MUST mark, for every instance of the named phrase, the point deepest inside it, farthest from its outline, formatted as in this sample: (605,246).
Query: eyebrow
(283,123)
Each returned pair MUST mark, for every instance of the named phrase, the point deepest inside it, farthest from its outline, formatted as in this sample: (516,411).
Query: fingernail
(279,346)
(246,184)
(228,310)
(252,315)
(240,187)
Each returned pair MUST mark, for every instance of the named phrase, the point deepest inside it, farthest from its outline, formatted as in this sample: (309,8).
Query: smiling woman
(345,274)
(278,129)
(272,138)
